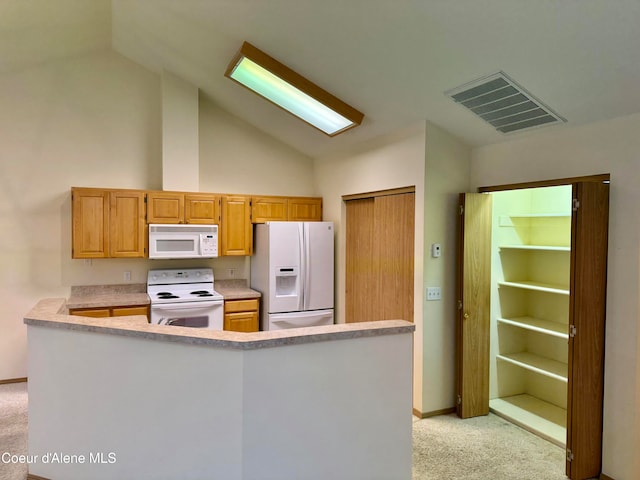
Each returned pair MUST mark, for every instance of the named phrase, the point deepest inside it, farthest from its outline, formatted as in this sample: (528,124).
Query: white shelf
(544,248)
(540,287)
(535,415)
(538,325)
(539,215)
(535,363)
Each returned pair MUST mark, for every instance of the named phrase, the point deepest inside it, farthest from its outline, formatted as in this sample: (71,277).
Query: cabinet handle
(465,316)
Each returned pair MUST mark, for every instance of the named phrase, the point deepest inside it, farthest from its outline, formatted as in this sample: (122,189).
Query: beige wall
(86,121)
(95,121)
(438,165)
(446,175)
(607,147)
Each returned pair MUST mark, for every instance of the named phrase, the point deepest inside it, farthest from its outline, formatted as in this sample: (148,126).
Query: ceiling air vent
(503,103)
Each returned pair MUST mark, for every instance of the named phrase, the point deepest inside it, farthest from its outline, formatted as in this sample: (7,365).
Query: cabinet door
(266,209)
(304,209)
(165,207)
(236,228)
(202,208)
(125,311)
(127,229)
(473,313)
(91,312)
(241,322)
(90,223)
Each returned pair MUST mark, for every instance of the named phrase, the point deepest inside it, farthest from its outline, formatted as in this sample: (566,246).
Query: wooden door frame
(600,178)
(590,466)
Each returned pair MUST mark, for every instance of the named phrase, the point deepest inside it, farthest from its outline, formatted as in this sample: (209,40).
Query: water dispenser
(286,281)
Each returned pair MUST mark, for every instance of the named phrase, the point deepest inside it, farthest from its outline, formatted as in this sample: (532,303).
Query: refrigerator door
(318,265)
(281,321)
(286,269)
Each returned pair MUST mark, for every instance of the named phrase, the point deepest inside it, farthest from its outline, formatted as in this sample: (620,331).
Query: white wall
(180,146)
(438,165)
(607,147)
(96,121)
(391,162)
(333,409)
(85,121)
(446,175)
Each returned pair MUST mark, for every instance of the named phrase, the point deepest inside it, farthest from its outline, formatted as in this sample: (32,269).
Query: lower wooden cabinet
(241,315)
(111,311)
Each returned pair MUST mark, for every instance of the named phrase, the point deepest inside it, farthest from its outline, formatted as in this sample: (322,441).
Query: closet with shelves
(531,291)
(530,249)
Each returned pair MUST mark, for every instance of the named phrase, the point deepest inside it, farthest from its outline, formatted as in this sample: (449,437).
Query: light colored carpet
(482,448)
(444,447)
(13,429)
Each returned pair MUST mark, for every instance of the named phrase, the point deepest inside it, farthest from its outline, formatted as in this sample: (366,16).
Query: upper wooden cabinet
(295,209)
(107,223)
(265,209)
(236,232)
(202,208)
(178,207)
(305,209)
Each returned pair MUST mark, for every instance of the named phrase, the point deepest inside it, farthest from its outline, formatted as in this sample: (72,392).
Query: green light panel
(263,82)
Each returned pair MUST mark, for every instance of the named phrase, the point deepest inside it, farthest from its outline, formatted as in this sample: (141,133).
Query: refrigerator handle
(307,265)
(303,267)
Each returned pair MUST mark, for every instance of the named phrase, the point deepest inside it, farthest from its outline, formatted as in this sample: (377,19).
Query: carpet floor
(444,447)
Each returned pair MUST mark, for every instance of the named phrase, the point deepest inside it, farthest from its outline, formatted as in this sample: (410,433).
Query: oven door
(209,314)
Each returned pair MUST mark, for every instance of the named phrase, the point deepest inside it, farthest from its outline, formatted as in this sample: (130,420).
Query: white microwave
(183,241)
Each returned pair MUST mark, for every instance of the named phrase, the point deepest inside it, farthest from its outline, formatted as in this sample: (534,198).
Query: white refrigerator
(292,266)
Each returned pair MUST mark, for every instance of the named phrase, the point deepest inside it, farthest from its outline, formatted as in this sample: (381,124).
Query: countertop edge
(49,313)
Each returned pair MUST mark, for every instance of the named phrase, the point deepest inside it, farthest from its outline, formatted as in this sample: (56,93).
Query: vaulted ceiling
(391,59)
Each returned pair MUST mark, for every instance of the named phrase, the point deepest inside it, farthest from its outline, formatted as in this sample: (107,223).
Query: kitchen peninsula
(155,401)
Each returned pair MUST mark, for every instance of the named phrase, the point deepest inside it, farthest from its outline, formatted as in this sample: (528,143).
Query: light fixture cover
(262,74)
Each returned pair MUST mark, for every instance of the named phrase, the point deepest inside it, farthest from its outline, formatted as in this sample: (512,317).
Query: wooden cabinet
(241,315)
(165,207)
(127,226)
(295,209)
(107,223)
(531,313)
(268,209)
(181,207)
(202,208)
(304,209)
(236,230)
(118,311)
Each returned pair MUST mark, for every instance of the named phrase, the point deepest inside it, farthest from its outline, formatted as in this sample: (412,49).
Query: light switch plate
(433,293)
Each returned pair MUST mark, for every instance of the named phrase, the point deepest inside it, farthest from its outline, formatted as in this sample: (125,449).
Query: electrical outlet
(433,293)
(436,250)
(127,276)
(232,272)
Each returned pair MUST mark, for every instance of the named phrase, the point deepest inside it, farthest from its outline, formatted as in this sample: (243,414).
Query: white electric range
(185,297)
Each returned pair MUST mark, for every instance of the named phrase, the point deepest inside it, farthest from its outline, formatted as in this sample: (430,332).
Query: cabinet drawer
(248,305)
(90,312)
(124,311)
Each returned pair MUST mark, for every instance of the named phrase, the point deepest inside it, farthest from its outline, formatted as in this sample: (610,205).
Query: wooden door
(473,309)
(361,264)
(127,229)
(380,258)
(90,223)
(202,208)
(236,229)
(589,237)
(165,207)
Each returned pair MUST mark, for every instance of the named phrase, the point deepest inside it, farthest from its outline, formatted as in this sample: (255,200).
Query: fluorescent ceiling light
(276,82)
